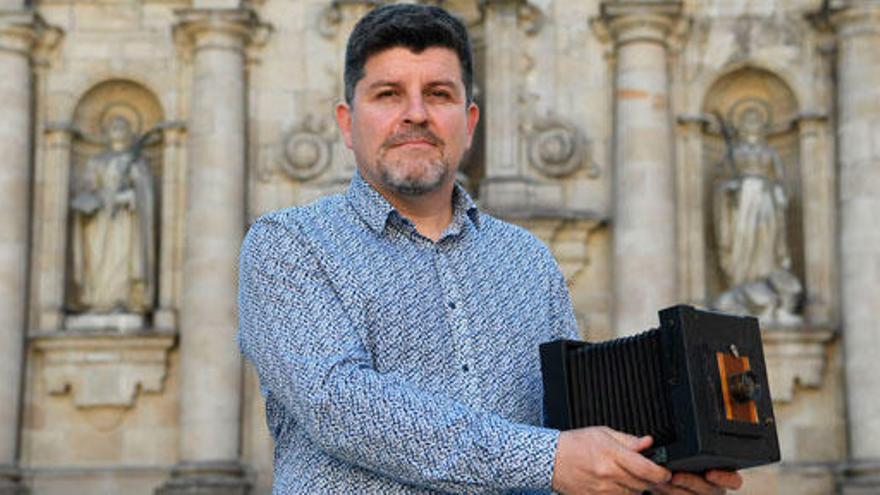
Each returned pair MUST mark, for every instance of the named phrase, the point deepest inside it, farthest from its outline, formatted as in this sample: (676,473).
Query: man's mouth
(416,138)
(414,142)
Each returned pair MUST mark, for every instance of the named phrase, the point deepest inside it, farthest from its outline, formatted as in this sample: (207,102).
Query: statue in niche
(749,215)
(113,205)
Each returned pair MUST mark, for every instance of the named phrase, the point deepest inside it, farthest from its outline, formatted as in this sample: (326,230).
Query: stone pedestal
(858,31)
(211,368)
(644,215)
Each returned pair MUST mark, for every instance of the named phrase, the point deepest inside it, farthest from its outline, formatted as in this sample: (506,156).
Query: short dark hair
(412,26)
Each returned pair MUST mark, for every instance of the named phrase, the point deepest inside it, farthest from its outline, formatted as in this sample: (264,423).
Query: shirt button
(465,368)
(451,304)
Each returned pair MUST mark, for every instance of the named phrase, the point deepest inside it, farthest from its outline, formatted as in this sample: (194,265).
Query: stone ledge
(207,478)
(10,481)
(795,355)
(104,368)
(859,477)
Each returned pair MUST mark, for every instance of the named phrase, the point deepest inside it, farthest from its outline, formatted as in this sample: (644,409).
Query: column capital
(626,21)
(173,132)
(56,132)
(339,13)
(22,30)
(231,29)
(528,15)
(856,18)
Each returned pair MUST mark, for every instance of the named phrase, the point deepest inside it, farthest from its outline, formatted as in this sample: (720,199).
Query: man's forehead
(398,61)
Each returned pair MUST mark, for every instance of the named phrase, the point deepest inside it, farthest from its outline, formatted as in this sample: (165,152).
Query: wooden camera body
(697,384)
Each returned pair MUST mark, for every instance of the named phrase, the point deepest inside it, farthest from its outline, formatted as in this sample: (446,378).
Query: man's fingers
(624,488)
(697,484)
(727,479)
(667,489)
(641,468)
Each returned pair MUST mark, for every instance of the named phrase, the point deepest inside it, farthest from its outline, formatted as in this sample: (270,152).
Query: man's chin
(413,188)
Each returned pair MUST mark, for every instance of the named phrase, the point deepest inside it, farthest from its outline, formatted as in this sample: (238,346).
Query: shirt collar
(374,209)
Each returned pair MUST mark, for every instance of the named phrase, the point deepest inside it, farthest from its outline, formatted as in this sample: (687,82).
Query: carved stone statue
(113,227)
(749,215)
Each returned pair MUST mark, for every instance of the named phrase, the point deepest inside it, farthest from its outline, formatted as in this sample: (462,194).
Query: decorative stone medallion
(555,147)
(307,150)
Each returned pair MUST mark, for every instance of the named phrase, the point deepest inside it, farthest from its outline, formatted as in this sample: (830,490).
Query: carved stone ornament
(331,17)
(307,150)
(556,148)
(104,370)
(795,357)
(529,16)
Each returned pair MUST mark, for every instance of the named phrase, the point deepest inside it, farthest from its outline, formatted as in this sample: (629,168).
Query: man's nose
(415,112)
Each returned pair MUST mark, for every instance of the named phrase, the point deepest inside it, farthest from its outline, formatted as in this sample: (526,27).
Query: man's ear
(343,120)
(473,116)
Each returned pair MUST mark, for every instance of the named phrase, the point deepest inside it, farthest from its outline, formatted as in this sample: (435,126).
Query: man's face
(408,124)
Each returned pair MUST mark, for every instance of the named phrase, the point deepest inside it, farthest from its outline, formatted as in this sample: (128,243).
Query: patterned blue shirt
(394,364)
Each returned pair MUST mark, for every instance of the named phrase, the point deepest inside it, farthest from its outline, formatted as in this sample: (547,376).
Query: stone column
(211,368)
(170,256)
(691,210)
(816,155)
(858,30)
(52,196)
(18,31)
(644,217)
(503,188)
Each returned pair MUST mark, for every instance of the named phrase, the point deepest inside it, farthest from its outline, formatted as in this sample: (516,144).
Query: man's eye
(385,93)
(441,94)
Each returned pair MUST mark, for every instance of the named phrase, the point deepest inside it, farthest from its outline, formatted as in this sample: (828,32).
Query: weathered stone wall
(599,134)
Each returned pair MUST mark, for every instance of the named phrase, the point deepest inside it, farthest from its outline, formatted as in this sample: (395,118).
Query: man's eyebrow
(443,82)
(383,82)
(395,84)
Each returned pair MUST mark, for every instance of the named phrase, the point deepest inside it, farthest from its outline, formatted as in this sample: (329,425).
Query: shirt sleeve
(311,357)
(563,324)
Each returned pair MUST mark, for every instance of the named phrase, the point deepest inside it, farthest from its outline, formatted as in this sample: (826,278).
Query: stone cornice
(232,29)
(626,21)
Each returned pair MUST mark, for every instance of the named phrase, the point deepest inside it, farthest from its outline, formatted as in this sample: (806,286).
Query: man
(395,328)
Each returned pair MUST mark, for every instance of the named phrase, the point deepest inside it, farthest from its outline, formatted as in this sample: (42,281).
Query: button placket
(462,330)
(454,310)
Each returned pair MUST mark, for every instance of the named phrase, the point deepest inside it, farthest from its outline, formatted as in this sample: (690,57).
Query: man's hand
(599,460)
(712,483)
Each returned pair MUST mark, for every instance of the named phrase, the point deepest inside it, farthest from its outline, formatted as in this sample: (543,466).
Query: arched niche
(134,112)
(116,97)
(768,99)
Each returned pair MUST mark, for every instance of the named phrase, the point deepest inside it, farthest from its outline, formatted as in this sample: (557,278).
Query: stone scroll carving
(557,148)
(306,150)
(749,211)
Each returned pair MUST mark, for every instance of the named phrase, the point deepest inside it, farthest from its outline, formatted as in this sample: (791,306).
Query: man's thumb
(632,442)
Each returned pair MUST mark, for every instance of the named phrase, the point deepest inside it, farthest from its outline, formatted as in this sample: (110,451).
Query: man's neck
(430,212)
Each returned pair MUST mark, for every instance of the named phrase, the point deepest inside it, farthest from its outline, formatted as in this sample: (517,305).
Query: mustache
(412,134)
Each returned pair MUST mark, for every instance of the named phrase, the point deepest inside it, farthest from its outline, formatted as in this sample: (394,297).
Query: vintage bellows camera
(698,385)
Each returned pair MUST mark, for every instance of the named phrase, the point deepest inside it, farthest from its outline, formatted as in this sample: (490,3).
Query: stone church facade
(720,153)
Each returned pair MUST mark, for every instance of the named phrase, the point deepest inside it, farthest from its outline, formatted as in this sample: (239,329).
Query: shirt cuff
(533,451)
